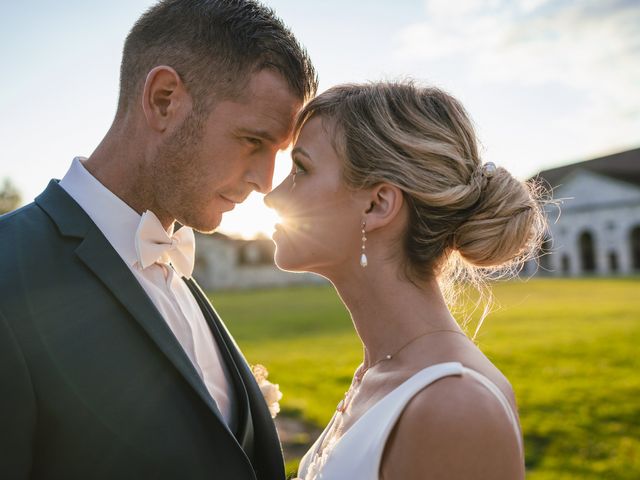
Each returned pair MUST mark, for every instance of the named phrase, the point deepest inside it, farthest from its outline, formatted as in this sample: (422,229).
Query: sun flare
(252,218)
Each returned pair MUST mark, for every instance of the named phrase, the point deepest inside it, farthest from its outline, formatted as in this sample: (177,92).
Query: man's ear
(165,98)
(385,202)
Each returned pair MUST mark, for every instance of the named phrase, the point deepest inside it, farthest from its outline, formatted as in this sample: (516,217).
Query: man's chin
(206,224)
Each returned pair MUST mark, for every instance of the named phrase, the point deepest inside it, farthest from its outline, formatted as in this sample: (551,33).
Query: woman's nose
(274,199)
(268,199)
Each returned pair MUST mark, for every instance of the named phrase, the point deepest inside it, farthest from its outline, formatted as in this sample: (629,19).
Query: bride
(389,200)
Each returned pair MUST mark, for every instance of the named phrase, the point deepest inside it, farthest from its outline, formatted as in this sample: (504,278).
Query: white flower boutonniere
(270,391)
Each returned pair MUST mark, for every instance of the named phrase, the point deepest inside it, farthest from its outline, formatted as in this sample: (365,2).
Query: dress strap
(358,452)
(500,396)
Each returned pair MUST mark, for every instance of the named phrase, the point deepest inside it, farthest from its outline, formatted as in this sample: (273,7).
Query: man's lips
(230,204)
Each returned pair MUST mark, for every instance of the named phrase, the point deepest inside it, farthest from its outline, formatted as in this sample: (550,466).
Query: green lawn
(569,347)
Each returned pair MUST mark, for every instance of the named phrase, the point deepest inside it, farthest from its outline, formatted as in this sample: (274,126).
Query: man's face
(211,163)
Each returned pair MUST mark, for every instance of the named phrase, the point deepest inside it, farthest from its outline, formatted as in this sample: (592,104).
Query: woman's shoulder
(456,428)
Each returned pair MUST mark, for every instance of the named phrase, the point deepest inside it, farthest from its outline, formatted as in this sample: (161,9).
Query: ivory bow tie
(153,244)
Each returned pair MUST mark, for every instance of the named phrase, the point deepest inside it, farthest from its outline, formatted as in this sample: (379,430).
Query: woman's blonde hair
(466,221)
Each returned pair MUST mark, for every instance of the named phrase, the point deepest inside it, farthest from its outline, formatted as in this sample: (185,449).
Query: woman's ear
(385,202)
(164,98)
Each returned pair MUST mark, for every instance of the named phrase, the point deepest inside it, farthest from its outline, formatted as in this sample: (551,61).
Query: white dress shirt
(118,223)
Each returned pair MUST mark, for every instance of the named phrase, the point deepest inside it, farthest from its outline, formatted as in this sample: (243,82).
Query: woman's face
(321,226)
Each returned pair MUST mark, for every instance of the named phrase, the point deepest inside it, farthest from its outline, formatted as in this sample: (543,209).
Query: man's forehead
(268,84)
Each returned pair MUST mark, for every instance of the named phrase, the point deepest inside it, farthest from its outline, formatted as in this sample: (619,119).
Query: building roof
(623,166)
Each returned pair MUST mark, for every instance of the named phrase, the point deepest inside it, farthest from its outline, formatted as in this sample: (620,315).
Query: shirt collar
(116,220)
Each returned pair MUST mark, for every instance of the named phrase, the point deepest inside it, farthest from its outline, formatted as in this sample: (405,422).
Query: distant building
(598,231)
(226,263)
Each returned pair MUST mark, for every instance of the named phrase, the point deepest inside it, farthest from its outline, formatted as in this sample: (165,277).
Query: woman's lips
(293,225)
(280,227)
(278,231)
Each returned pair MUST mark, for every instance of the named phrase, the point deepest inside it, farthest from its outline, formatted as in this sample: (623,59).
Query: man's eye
(255,142)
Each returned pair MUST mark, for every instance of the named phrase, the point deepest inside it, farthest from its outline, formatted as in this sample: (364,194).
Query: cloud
(593,46)
(449,9)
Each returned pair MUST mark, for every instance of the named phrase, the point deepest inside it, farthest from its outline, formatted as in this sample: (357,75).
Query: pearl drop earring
(363,256)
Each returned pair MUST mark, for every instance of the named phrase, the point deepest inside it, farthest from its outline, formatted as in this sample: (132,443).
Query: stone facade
(596,230)
(226,263)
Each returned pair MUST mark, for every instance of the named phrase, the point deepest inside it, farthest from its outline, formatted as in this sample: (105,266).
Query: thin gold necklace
(361,371)
(357,378)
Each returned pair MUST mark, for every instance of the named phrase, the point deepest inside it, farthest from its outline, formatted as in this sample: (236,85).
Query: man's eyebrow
(263,134)
(301,151)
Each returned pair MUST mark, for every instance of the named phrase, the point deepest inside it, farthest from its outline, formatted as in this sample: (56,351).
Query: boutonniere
(270,391)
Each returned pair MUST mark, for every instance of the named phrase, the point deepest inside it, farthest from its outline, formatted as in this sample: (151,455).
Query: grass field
(569,347)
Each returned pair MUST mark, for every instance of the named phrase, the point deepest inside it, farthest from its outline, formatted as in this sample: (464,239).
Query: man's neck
(119,165)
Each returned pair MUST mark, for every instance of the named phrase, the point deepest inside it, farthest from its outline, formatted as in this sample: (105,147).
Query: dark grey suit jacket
(93,384)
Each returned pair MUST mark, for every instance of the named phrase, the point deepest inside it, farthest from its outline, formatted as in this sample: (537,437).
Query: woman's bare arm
(453,430)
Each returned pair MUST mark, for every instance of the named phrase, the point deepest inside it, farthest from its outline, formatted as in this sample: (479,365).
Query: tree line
(10,197)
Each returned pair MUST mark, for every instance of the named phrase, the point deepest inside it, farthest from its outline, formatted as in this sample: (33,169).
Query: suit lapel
(96,252)
(100,257)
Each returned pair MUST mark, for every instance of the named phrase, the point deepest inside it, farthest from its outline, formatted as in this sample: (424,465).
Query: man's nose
(260,175)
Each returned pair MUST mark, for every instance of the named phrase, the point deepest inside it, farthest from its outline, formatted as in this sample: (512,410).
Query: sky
(546,82)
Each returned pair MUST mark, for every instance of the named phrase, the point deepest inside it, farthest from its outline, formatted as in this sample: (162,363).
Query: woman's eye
(296,170)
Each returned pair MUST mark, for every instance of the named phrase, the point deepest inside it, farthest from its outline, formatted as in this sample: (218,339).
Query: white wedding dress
(358,452)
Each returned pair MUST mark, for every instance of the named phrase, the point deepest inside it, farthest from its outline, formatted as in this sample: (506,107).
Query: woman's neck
(388,310)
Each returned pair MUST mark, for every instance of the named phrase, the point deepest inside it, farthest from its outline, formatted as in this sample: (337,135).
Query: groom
(113,364)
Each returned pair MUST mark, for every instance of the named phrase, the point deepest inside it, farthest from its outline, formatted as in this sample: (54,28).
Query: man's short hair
(214,45)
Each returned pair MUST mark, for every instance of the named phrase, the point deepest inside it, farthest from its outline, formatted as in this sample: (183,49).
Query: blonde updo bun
(505,226)
(464,220)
